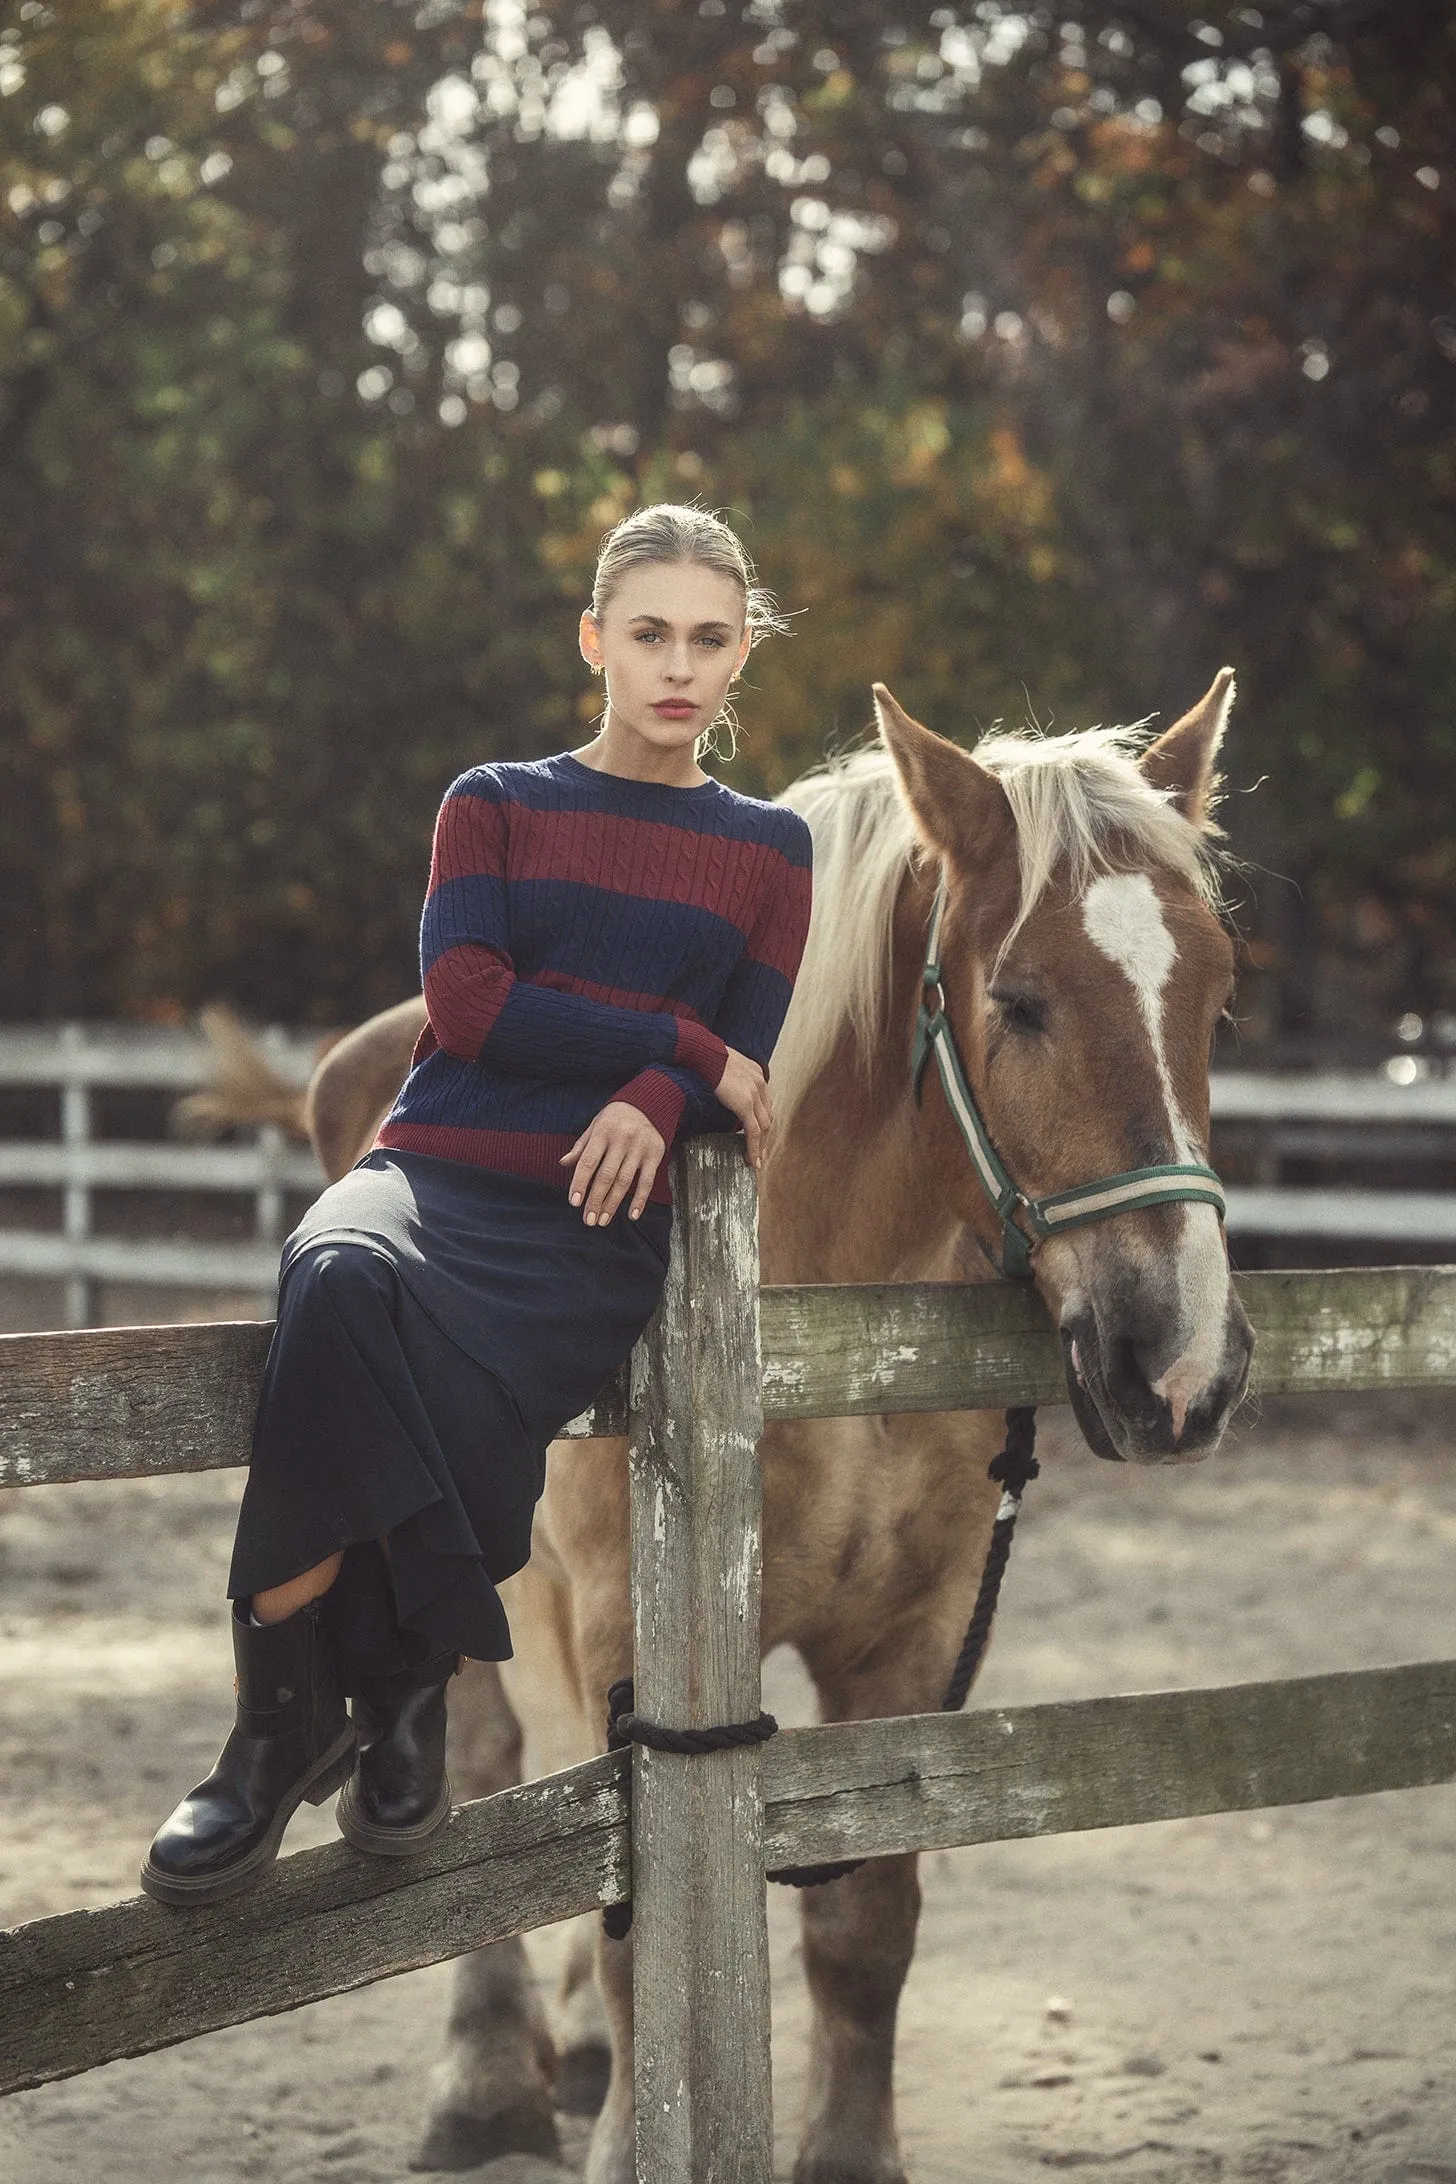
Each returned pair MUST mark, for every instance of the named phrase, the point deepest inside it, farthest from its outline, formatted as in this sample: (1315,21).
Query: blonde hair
(670,532)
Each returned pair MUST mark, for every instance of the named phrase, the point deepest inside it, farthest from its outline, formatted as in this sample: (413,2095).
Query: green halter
(1063,1209)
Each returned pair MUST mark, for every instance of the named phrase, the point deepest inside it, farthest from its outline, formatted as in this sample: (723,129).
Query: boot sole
(380,1842)
(333,1769)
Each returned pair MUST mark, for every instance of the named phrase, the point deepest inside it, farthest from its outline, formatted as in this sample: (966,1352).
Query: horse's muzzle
(1122,1414)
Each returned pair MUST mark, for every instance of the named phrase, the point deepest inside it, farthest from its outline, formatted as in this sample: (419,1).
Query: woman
(608,945)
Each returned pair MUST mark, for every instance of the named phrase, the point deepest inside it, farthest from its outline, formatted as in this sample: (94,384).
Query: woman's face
(671,639)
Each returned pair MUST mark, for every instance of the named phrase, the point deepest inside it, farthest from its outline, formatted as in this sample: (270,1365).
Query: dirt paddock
(1266,1996)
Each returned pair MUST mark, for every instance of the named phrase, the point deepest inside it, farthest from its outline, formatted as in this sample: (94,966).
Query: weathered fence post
(700,1982)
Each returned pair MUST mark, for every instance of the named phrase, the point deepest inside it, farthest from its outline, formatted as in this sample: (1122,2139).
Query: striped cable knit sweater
(587,938)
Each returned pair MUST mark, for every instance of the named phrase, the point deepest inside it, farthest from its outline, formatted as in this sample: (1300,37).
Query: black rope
(1013,1471)
(625,1727)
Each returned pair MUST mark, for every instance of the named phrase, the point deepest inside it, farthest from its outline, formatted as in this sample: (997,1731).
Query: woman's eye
(1020,1011)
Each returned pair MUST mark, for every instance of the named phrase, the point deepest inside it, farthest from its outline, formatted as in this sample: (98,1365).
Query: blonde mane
(1071,797)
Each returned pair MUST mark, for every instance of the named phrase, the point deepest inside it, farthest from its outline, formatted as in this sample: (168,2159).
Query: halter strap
(1173,1182)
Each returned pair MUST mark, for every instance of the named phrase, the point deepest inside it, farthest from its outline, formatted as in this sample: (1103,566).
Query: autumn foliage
(1046,358)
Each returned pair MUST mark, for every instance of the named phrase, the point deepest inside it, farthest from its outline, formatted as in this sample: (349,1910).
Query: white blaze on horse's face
(1124,919)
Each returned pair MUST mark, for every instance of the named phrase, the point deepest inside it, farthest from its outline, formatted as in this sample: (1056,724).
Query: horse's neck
(851,1194)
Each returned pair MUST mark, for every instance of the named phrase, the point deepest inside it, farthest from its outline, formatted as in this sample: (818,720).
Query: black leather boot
(399,1794)
(293,1739)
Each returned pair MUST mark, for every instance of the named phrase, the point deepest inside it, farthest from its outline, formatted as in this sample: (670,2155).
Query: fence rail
(87,1987)
(133,1402)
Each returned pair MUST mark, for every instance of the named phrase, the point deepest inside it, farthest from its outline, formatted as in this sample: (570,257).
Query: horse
(1068,889)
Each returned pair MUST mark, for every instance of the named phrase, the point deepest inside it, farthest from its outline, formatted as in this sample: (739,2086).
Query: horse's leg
(859,1938)
(912,1581)
(586,1511)
(544,1688)
(490,2093)
(583,2035)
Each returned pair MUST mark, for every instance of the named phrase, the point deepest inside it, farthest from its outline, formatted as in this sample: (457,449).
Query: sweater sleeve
(679,1102)
(479,1010)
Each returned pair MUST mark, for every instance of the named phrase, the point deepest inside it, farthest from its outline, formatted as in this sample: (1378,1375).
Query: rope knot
(625,1727)
(1016,1466)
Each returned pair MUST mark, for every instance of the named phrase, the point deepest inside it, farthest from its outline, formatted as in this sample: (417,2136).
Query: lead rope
(1013,1471)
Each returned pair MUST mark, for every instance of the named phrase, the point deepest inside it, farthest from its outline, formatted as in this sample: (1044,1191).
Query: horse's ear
(1182,759)
(958,808)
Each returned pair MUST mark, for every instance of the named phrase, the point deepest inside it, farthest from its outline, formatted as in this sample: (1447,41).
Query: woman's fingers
(621,1184)
(593,1144)
(757,1124)
(602,1198)
(646,1177)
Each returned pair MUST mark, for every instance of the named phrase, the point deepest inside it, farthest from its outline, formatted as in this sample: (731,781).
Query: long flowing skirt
(437,1325)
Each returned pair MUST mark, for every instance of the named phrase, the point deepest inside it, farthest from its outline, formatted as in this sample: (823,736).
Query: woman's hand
(618,1151)
(743,1089)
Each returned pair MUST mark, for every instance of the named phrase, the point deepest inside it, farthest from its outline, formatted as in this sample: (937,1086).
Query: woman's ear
(589,637)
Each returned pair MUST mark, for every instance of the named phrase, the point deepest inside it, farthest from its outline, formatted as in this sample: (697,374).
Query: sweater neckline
(625,785)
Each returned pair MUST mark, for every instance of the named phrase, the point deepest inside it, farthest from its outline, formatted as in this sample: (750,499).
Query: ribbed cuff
(702,1051)
(659,1099)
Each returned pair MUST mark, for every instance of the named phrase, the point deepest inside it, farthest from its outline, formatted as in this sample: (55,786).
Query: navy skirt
(438,1324)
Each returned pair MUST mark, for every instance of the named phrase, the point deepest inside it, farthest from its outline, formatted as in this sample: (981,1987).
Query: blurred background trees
(1044,358)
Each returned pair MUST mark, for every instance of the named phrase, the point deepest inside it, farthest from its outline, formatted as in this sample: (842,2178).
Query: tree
(1042,358)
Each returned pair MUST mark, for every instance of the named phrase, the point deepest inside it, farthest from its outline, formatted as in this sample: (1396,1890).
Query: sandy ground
(1264,1996)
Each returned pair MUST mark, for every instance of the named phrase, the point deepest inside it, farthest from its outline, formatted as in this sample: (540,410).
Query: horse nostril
(1130,1379)
(1148,1364)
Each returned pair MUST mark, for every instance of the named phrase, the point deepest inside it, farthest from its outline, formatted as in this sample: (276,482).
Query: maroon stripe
(466,988)
(646,858)
(781,946)
(700,1049)
(470,838)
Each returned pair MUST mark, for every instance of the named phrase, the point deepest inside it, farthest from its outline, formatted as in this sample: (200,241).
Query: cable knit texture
(586,938)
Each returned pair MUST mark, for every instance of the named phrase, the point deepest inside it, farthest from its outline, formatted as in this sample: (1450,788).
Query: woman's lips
(675,708)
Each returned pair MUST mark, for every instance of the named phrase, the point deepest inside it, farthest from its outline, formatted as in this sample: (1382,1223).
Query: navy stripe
(465,910)
(444,1089)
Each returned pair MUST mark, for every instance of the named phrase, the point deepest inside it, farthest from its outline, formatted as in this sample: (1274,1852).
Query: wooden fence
(1263,1123)
(690,1838)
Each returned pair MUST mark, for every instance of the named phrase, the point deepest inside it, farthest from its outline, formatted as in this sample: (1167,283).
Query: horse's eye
(1019,1011)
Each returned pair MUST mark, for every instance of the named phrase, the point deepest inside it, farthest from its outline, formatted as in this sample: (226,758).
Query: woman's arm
(622,1148)
(679,1101)
(480,1011)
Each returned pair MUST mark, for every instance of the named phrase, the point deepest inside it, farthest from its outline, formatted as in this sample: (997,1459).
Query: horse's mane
(1072,797)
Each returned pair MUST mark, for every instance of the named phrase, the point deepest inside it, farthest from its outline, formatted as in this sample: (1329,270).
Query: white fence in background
(1340,1115)
(78,1060)
(1328,1116)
